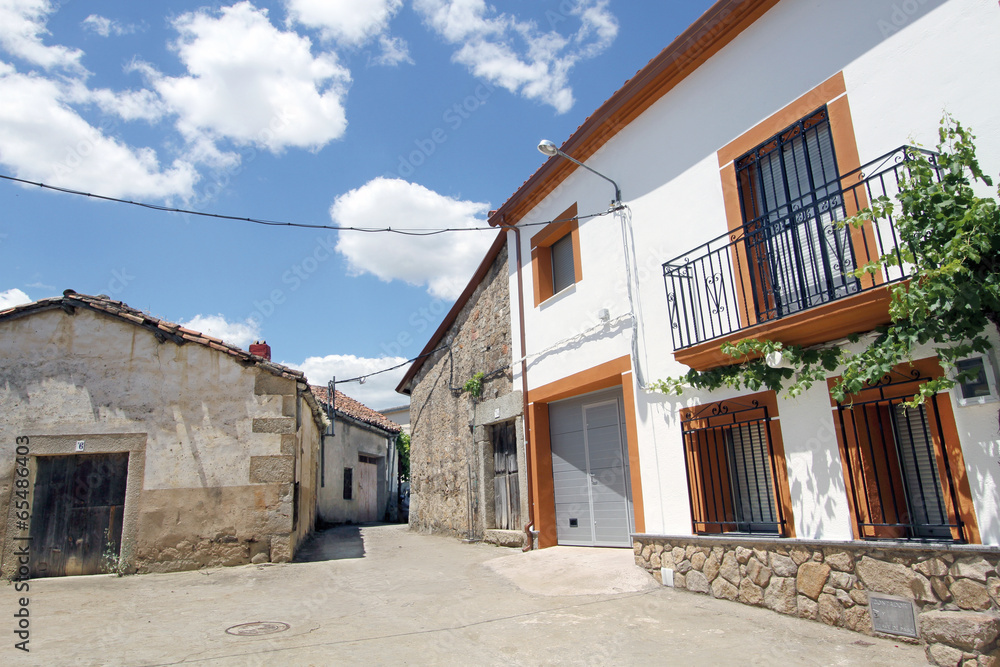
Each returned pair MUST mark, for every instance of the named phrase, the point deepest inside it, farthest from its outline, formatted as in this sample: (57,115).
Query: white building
(814,99)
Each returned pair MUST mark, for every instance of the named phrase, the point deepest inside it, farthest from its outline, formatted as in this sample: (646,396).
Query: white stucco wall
(902,70)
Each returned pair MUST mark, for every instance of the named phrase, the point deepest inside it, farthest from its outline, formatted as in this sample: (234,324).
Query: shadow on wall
(852,28)
(981,460)
(335,543)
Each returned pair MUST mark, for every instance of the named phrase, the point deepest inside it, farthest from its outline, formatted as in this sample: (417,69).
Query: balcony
(792,269)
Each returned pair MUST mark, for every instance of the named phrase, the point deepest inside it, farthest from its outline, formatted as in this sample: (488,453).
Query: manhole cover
(257,628)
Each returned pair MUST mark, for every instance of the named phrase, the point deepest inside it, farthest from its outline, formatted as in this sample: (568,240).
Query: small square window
(555,256)
(980,384)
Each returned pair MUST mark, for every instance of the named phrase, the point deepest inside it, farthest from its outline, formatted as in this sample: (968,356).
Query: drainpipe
(524,392)
(472,495)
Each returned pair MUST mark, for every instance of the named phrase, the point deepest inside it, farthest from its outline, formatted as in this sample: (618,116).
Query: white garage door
(589,470)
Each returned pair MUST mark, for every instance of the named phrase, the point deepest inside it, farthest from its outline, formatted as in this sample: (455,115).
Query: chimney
(261,349)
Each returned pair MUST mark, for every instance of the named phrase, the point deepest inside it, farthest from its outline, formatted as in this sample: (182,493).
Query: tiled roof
(348,407)
(163,331)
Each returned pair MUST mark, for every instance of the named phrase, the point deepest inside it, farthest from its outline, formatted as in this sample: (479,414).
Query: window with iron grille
(897,465)
(730,459)
(791,198)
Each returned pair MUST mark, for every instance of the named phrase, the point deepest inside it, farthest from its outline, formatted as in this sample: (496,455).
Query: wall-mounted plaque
(892,615)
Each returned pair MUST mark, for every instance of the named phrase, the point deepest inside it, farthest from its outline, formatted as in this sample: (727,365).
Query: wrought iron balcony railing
(791,259)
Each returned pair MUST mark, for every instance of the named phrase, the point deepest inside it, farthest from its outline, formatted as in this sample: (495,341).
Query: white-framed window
(981,384)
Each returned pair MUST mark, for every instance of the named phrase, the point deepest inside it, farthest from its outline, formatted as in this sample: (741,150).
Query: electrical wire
(279,223)
(276,223)
(361,378)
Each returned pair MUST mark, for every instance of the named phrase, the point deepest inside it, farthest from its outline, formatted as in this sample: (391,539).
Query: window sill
(558,296)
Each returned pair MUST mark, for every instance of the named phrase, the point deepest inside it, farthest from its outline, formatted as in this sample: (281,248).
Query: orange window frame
(832,93)
(875,471)
(566,224)
(717,417)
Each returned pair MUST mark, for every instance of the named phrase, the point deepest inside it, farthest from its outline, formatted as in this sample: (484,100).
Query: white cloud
(128,104)
(240,334)
(539,69)
(42,138)
(22,27)
(252,83)
(394,51)
(444,262)
(378,392)
(13,297)
(349,22)
(106,27)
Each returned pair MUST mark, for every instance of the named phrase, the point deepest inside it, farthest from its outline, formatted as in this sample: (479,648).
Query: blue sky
(376,113)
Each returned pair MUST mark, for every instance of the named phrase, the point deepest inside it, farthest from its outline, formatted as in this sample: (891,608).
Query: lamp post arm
(618,192)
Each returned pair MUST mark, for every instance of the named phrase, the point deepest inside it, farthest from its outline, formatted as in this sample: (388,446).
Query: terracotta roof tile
(356,410)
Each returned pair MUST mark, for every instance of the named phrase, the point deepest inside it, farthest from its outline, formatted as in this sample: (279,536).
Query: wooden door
(76,525)
(506,489)
(368,492)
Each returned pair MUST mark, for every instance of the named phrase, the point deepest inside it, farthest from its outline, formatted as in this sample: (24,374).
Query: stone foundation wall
(955,590)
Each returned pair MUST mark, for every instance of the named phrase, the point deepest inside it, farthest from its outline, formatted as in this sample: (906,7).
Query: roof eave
(717,27)
(449,319)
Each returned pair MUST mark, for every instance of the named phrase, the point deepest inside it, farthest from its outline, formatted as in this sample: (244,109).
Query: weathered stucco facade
(361,441)
(452,464)
(221,444)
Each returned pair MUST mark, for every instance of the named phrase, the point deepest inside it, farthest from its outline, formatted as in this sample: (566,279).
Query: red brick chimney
(261,349)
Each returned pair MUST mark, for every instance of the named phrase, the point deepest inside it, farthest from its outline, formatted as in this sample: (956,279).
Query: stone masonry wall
(956,591)
(442,447)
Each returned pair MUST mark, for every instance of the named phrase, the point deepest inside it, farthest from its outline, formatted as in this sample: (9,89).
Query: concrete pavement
(389,596)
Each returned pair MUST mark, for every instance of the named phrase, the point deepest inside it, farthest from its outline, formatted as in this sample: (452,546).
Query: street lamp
(546,147)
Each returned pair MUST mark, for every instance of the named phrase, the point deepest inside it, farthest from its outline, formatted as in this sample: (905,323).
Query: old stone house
(359,464)
(147,446)
(467,474)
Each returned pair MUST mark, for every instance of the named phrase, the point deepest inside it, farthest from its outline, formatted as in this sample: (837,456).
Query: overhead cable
(279,223)
(361,378)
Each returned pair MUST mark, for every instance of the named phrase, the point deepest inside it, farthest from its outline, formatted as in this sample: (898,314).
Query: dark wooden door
(506,490)
(76,525)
